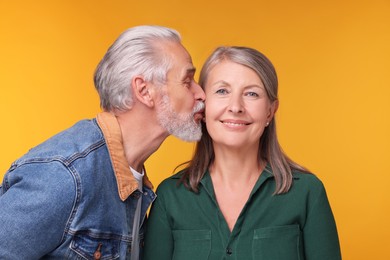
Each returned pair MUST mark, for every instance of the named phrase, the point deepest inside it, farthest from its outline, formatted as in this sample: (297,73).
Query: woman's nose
(236,105)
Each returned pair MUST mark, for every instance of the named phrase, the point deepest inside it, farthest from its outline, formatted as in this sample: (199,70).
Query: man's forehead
(181,59)
(186,65)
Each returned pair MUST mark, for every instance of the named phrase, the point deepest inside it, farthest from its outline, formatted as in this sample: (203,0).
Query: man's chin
(189,137)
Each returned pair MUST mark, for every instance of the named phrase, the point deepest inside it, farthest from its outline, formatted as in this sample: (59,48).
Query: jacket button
(97,255)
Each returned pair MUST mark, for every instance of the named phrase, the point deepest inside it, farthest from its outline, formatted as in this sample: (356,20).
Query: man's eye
(187,83)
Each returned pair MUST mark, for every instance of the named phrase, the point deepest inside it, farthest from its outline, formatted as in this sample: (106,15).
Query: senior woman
(240,196)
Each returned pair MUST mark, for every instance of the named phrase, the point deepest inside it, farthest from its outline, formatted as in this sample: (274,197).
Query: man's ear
(143,91)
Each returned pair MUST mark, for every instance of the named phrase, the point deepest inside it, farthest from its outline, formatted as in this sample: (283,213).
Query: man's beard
(182,126)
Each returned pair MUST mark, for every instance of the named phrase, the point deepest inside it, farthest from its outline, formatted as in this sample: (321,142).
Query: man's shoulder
(79,138)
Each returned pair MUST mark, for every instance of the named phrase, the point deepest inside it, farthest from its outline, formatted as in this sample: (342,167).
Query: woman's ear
(273,108)
(143,91)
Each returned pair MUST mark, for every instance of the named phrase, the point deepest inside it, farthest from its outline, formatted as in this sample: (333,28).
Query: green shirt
(297,225)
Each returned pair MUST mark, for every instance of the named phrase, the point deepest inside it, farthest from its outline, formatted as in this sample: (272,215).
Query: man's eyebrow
(191,70)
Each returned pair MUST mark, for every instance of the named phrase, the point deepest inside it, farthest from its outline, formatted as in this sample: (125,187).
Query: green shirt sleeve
(319,232)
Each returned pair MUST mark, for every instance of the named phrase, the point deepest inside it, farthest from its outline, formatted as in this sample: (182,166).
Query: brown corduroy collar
(126,182)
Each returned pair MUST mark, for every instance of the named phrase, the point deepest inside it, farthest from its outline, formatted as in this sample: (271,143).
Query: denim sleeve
(36,204)
(320,236)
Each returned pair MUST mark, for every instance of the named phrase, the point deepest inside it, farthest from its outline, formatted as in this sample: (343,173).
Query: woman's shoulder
(171,183)
(307,181)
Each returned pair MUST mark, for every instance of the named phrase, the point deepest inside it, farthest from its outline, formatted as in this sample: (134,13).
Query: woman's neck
(236,167)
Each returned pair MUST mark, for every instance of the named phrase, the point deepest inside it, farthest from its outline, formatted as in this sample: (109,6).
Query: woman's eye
(252,94)
(221,91)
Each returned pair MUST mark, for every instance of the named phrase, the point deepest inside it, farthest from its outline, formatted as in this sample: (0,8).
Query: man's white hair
(135,52)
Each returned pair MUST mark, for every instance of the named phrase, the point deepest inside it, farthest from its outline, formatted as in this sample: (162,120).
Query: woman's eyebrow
(220,82)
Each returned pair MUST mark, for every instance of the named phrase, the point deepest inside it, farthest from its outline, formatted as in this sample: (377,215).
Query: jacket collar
(126,182)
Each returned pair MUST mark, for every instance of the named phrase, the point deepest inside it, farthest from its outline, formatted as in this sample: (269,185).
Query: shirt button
(229,251)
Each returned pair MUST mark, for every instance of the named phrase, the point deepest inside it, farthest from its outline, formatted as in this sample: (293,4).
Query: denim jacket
(72,197)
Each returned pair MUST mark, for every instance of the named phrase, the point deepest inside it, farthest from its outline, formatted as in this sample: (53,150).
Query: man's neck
(141,135)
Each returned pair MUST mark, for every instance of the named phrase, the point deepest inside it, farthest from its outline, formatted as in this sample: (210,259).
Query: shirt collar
(265,175)
(126,182)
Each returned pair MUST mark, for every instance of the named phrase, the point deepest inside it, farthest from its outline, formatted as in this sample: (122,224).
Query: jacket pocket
(277,243)
(191,244)
(92,246)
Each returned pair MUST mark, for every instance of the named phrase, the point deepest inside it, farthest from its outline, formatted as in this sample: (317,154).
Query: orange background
(332,57)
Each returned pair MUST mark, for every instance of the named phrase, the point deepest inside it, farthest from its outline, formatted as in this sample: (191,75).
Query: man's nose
(198,91)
